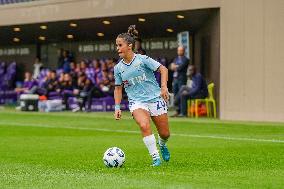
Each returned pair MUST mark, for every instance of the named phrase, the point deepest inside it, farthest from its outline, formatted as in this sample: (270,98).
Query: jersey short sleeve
(151,63)
(117,76)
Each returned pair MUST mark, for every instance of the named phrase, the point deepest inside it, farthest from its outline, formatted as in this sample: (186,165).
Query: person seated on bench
(51,83)
(29,85)
(196,90)
(85,91)
(65,88)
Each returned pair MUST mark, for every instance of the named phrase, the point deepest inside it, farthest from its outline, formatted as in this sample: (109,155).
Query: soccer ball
(114,157)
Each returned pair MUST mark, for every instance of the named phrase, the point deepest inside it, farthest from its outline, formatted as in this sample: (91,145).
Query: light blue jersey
(138,78)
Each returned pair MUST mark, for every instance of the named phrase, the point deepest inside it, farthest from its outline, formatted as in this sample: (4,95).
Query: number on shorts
(161,104)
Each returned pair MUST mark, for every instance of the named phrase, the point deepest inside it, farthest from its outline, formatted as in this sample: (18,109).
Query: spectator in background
(104,67)
(107,83)
(111,84)
(73,72)
(78,68)
(179,67)
(66,62)
(60,78)
(110,64)
(99,78)
(51,83)
(28,85)
(83,66)
(66,87)
(37,67)
(197,90)
(177,99)
(85,91)
(65,82)
(72,67)
(103,81)
(97,66)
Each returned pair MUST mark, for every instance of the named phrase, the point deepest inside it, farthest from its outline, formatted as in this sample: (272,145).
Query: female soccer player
(146,98)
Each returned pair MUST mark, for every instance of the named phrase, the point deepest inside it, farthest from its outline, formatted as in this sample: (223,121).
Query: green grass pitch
(64,150)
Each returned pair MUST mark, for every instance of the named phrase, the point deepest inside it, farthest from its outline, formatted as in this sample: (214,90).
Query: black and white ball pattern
(114,157)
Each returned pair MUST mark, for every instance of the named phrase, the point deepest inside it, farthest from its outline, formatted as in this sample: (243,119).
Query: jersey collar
(131,60)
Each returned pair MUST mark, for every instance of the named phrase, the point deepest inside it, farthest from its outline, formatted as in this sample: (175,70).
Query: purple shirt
(29,84)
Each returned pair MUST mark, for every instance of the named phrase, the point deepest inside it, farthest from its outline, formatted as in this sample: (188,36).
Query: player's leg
(162,125)
(142,118)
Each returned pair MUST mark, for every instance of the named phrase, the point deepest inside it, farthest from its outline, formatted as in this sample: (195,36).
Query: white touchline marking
(128,117)
(137,132)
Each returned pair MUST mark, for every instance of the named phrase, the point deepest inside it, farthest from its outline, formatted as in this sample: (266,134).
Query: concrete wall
(252,69)
(251,47)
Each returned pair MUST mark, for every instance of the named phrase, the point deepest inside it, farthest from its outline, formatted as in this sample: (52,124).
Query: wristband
(117,107)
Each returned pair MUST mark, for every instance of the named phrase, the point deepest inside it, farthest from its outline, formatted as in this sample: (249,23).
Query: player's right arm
(117,100)
(117,93)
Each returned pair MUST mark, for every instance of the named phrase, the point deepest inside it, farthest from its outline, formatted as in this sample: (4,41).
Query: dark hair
(131,36)
(139,40)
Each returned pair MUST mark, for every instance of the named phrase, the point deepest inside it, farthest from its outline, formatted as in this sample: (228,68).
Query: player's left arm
(164,79)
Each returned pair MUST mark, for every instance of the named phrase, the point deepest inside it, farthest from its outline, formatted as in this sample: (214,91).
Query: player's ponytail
(132,31)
